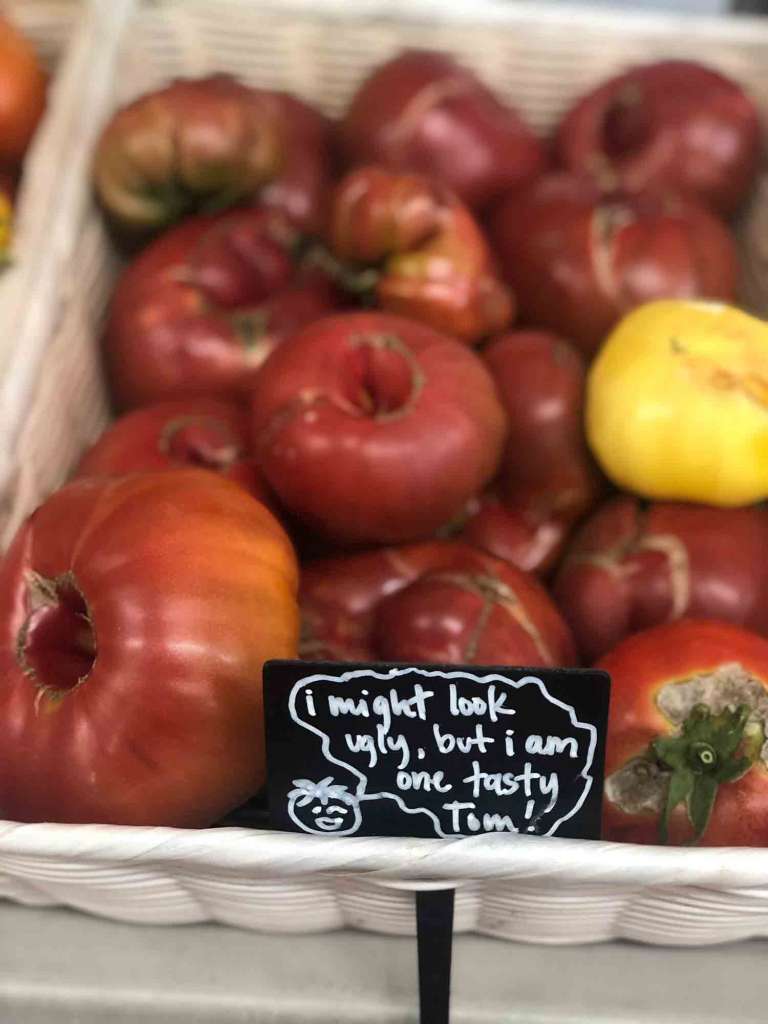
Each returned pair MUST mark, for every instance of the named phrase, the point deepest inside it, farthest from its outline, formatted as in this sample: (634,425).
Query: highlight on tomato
(135,617)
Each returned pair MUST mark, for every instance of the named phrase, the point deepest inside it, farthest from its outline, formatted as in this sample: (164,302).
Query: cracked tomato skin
(578,260)
(440,601)
(200,309)
(672,126)
(198,432)
(632,566)
(431,258)
(502,528)
(179,586)
(639,668)
(424,112)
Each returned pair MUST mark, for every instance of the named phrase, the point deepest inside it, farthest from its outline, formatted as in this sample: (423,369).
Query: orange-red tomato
(22,93)
(135,618)
(686,736)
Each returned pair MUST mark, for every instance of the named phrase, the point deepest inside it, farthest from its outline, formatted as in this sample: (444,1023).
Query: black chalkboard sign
(430,750)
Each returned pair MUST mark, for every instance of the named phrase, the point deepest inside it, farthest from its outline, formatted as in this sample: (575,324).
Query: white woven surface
(523,888)
(53,401)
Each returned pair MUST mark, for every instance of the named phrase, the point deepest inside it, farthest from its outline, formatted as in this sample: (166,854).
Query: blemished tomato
(22,93)
(686,758)
(207,433)
(209,143)
(200,309)
(135,618)
(439,601)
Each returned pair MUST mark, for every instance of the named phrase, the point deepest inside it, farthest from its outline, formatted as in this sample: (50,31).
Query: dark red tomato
(532,543)
(442,601)
(578,261)
(424,112)
(201,308)
(135,617)
(547,473)
(202,432)
(687,756)
(669,127)
(633,565)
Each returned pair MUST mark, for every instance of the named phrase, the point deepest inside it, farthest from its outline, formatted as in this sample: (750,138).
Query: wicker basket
(53,402)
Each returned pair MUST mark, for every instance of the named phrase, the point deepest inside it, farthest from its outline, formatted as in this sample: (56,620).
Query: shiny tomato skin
(205,432)
(639,667)
(201,307)
(190,585)
(372,428)
(424,112)
(22,93)
(438,601)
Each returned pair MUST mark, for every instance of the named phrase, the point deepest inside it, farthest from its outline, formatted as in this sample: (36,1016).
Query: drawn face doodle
(322,807)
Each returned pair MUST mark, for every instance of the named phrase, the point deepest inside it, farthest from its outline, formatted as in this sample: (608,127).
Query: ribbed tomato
(135,617)
(440,601)
(207,433)
(687,758)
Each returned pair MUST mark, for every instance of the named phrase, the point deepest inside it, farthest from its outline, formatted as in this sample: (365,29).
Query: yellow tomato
(677,403)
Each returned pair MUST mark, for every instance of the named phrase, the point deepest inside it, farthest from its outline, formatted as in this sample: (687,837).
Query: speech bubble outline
(394,673)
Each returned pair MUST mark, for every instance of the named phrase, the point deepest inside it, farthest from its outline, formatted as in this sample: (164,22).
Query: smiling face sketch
(321,807)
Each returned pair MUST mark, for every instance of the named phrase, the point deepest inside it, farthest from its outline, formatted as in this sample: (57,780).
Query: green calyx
(708,751)
(359,282)
(250,326)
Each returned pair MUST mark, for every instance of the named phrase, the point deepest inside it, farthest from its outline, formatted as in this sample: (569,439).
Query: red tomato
(424,112)
(671,126)
(372,428)
(547,471)
(22,93)
(531,543)
(441,601)
(135,617)
(202,432)
(579,260)
(201,308)
(207,144)
(686,736)
(427,255)
(634,564)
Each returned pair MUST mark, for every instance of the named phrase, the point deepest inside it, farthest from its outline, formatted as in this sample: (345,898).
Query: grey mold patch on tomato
(638,787)
(729,686)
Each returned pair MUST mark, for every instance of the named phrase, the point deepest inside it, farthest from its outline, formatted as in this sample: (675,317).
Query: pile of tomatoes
(350,361)
(22,98)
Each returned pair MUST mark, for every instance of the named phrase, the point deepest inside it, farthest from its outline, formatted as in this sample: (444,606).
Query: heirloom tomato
(136,615)
(204,432)
(676,404)
(687,757)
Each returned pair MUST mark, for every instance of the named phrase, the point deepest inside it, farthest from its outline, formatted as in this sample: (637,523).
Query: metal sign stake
(434,931)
